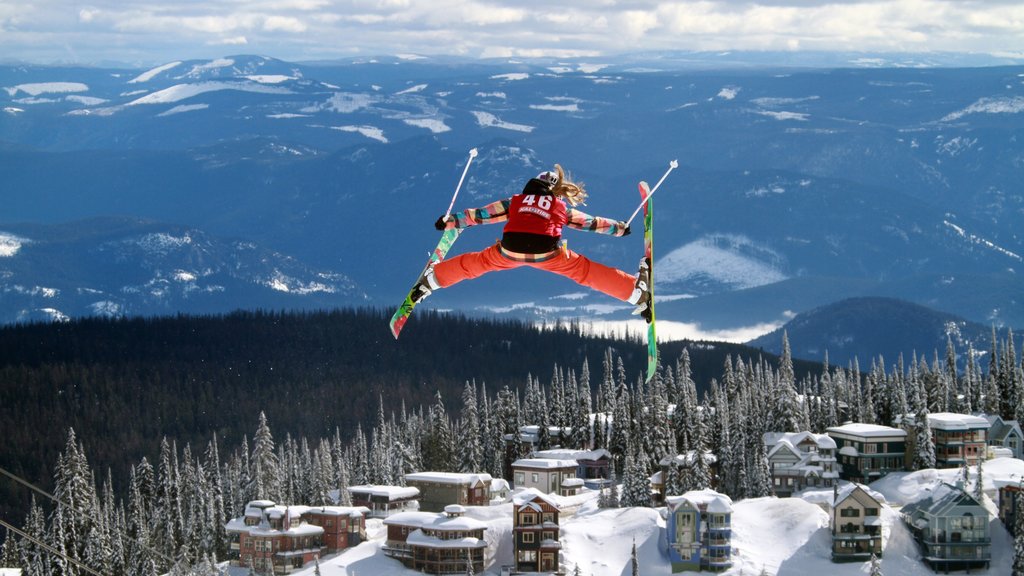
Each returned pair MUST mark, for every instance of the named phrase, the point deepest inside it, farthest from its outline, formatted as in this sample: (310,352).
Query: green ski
(652,341)
(398,320)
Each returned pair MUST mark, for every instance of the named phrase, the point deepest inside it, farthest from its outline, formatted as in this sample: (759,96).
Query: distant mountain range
(870,329)
(313,185)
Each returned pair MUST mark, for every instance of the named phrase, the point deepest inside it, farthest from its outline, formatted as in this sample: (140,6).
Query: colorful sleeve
(582,221)
(493,212)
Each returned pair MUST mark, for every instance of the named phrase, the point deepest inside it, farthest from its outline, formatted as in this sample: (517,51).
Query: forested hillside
(145,427)
(125,384)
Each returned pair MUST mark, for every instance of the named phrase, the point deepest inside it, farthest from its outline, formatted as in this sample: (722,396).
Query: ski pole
(472,154)
(671,166)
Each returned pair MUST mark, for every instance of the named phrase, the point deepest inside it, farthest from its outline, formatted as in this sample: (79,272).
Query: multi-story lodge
(951,528)
(1006,477)
(270,538)
(1005,434)
(535,532)
(548,476)
(867,452)
(383,501)
(439,489)
(800,460)
(959,438)
(592,465)
(856,524)
(699,531)
(432,543)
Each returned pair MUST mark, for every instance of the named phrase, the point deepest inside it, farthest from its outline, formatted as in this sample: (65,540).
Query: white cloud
(302,29)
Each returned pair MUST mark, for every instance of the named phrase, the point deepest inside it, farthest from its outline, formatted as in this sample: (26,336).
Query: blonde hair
(572,192)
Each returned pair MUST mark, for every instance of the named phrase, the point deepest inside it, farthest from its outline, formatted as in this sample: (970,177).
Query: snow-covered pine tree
(32,558)
(660,437)
(381,444)
(9,551)
(264,459)
(979,482)
(76,494)
(358,457)
(636,485)
(700,477)
(582,432)
(471,449)
(439,441)
(1009,379)
(620,438)
(973,387)
(924,452)
(784,403)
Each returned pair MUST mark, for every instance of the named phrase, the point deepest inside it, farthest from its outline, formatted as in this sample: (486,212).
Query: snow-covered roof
(849,451)
(823,441)
(389,492)
(949,421)
(867,430)
(566,454)
(846,489)
(544,464)
(572,482)
(461,479)
(418,538)
(686,460)
(410,518)
(521,497)
(707,499)
(1002,472)
(435,521)
(350,511)
(942,498)
(953,421)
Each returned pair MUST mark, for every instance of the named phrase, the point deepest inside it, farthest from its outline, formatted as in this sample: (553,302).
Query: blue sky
(144,32)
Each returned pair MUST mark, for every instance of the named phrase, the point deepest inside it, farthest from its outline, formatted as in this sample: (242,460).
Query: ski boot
(641,296)
(425,286)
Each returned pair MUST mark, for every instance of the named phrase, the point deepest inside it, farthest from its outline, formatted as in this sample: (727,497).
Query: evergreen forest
(152,433)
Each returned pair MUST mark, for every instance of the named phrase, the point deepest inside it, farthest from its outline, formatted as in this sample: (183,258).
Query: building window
(527,537)
(528,519)
(527,555)
(520,478)
(849,512)
(534,477)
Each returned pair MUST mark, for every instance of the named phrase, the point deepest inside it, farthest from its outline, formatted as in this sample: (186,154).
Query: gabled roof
(941,500)
(859,492)
(528,495)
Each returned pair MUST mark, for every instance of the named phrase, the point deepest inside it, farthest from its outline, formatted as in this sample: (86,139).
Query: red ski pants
(579,268)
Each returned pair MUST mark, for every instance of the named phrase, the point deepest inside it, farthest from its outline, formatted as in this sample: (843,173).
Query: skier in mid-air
(531,237)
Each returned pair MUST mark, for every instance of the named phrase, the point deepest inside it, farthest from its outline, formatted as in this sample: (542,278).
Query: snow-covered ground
(783,536)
